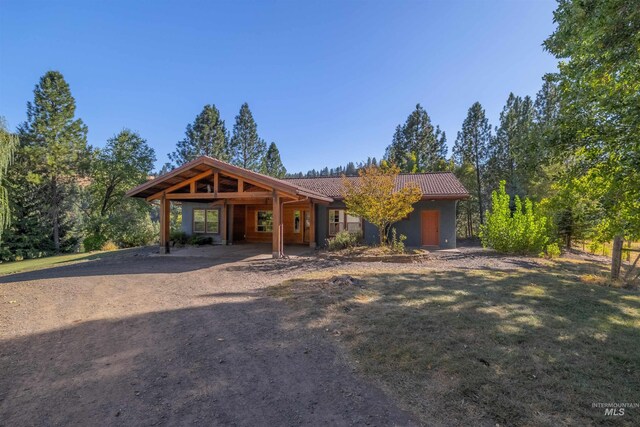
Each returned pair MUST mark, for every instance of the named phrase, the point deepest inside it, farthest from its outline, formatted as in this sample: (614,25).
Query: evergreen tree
(246,148)
(54,146)
(272,164)
(512,153)
(417,146)
(206,136)
(471,147)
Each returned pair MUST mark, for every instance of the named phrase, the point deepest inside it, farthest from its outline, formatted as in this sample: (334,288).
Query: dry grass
(469,347)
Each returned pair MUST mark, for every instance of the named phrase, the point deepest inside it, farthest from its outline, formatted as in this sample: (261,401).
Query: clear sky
(328,81)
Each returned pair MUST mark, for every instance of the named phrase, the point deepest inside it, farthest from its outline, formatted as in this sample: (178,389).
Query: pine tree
(246,148)
(206,136)
(54,144)
(471,147)
(417,146)
(272,164)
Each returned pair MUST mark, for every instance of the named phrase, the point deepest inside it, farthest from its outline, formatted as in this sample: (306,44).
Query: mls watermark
(615,409)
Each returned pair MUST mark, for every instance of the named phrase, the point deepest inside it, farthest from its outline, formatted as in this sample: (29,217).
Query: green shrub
(521,232)
(179,237)
(343,240)
(93,242)
(553,250)
(396,244)
(200,240)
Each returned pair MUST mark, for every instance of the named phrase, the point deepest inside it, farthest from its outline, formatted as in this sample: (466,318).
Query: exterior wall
(187,220)
(412,227)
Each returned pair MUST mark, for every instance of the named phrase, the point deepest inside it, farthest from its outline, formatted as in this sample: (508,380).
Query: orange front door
(430,228)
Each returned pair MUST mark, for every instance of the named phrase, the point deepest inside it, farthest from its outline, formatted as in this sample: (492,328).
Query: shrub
(397,242)
(200,240)
(93,242)
(553,250)
(179,237)
(343,240)
(519,232)
(109,246)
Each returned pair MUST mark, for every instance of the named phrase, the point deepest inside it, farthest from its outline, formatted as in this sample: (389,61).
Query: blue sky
(328,81)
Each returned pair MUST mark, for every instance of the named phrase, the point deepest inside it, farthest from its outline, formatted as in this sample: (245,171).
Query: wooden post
(276,250)
(230,231)
(223,222)
(616,257)
(165,224)
(312,225)
(216,180)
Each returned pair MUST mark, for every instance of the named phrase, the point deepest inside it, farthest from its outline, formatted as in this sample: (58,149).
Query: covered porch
(231,204)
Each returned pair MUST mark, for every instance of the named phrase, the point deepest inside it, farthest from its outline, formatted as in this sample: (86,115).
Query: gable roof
(434,185)
(203,163)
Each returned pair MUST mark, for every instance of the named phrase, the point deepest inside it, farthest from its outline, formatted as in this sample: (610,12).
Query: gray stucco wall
(187,220)
(410,228)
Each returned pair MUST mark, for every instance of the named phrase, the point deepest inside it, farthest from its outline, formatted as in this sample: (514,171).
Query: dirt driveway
(150,340)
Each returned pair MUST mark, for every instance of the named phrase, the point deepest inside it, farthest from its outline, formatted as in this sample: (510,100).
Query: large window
(206,221)
(340,220)
(264,221)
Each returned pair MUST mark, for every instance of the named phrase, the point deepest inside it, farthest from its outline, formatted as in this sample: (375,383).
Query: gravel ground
(148,340)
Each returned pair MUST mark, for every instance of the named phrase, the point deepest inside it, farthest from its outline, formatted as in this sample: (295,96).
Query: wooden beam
(165,222)
(230,232)
(223,223)
(240,185)
(312,225)
(208,196)
(216,182)
(179,185)
(276,250)
(192,187)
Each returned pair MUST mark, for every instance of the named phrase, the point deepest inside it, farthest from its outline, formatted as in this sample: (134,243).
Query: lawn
(487,346)
(57,260)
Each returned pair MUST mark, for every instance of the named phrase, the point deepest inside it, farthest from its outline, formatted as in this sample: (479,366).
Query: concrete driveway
(172,340)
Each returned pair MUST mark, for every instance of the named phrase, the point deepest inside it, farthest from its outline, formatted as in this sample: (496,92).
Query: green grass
(486,346)
(53,261)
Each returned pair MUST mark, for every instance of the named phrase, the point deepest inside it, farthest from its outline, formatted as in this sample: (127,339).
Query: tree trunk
(616,257)
(55,215)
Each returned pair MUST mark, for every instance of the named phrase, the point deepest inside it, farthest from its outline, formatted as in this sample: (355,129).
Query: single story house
(231,204)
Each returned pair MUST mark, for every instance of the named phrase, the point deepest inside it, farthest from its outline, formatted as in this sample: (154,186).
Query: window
(354,225)
(296,221)
(339,220)
(264,221)
(206,221)
(336,221)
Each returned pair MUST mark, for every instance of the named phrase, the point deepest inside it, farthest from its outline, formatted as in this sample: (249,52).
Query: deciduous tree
(374,197)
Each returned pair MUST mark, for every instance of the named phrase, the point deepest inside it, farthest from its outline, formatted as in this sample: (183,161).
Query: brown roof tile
(433,185)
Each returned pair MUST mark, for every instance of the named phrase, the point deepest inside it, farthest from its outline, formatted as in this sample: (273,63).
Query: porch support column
(230,231)
(165,212)
(276,234)
(223,223)
(312,225)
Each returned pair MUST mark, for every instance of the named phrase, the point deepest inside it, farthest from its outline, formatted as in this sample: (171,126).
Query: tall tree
(55,145)
(512,156)
(124,162)
(247,149)
(417,146)
(8,144)
(272,164)
(471,147)
(599,78)
(206,136)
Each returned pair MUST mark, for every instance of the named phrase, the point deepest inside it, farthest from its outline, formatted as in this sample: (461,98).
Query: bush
(179,237)
(93,242)
(521,232)
(109,246)
(396,244)
(200,240)
(343,240)
(553,250)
